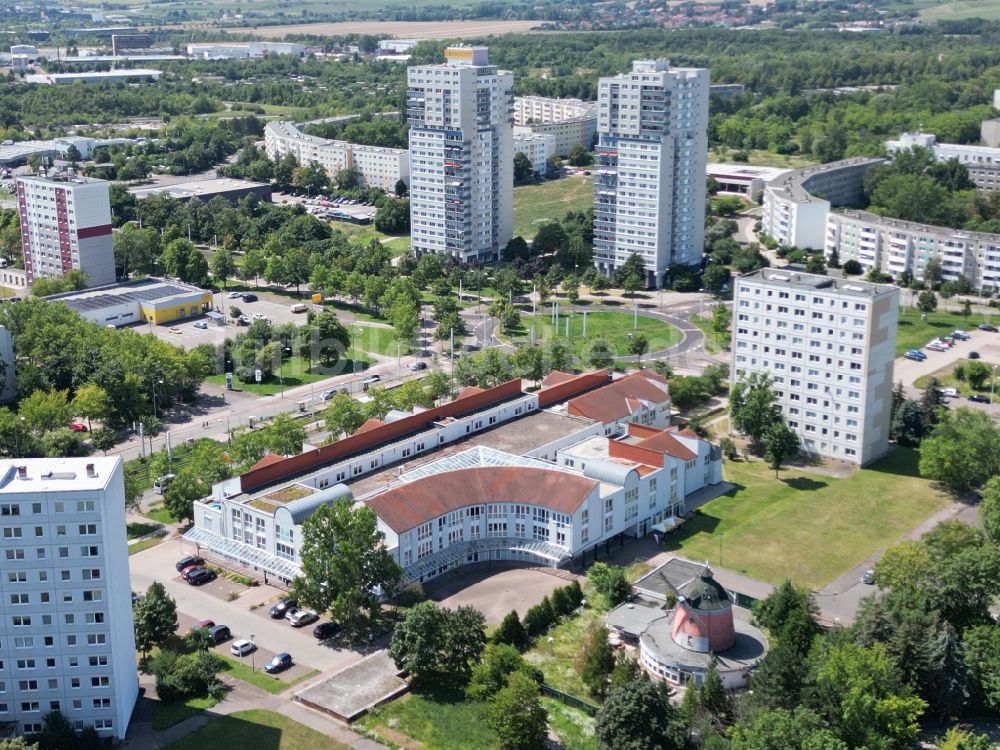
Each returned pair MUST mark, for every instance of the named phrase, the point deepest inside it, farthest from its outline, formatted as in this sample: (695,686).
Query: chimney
(22,472)
(91,471)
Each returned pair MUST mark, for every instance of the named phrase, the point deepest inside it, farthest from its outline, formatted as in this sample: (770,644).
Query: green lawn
(361,233)
(168,714)
(961,10)
(376,340)
(440,723)
(259,730)
(140,546)
(805,526)
(160,514)
(258,677)
(557,659)
(574,727)
(349,313)
(947,379)
(764,159)
(914,333)
(711,340)
(399,246)
(136,530)
(293,370)
(612,326)
(536,204)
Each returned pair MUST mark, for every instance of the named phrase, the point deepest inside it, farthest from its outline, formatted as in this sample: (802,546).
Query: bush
(728,447)
(610,582)
(539,618)
(183,676)
(511,632)
(499,662)
(575,592)
(562,603)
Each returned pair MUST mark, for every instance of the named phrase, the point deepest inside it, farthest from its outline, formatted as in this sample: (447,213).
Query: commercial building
(497,474)
(461,156)
(982,162)
(22,55)
(538,147)
(828,345)
(65,225)
(742,180)
(569,121)
(66,640)
(16,153)
(649,194)
(726,90)
(148,300)
(396,47)
(204,190)
(96,76)
(378,166)
(797,203)
(242,50)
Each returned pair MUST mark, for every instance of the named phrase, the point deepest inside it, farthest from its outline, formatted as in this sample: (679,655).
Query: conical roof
(704,593)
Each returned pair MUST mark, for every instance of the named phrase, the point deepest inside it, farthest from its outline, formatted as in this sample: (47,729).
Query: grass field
(764,159)
(438,722)
(168,714)
(557,658)
(612,326)
(137,529)
(140,546)
(536,204)
(357,232)
(376,340)
(260,730)
(805,526)
(711,340)
(293,371)
(948,380)
(961,10)
(160,514)
(398,246)
(913,332)
(574,727)
(258,677)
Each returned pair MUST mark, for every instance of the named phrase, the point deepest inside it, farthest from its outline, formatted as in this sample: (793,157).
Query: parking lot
(189,337)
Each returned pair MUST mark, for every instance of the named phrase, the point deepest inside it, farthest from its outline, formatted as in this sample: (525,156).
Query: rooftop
(56,474)
(792,184)
(149,289)
(620,398)
(912,226)
(62,178)
(198,188)
(816,283)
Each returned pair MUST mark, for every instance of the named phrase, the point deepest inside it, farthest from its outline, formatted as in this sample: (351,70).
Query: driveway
(200,603)
(189,337)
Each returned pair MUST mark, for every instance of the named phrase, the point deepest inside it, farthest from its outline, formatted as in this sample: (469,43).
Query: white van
(299,308)
(161,483)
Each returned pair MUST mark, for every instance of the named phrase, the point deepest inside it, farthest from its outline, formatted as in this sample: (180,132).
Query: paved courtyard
(494,589)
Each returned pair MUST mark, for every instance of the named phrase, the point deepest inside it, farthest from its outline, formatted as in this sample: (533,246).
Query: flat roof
(56,474)
(63,178)
(816,283)
(198,188)
(745,171)
(149,289)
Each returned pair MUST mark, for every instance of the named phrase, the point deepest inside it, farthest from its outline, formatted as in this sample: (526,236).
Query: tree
(181,493)
(777,610)
(155,618)
(517,716)
(989,509)
(780,443)
(957,739)
(982,656)
(400,189)
(550,238)
(753,408)
(597,660)
(45,411)
(579,156)
(438,645)
(908,425)
(853,268)
(816,264)
(498,662)
(598,354)
(794,729)
(553,167)
(963,451)
(343,416)
(523,169)
(104,439)
(637,346)
(619,726)
(254,265)
(715,278)
(610,582)
(223,266)
(712,695)
(511,631)
(540,617)
(17,743)
(344,564)
(976,374)
(91,402)
(927,302)
(393,216)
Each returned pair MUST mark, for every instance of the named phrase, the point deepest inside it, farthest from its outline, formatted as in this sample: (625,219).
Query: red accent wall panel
(85,233)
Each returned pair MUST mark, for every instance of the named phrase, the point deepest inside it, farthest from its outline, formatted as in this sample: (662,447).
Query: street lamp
(993,382)
(17,445)
(153,389)
(253,658)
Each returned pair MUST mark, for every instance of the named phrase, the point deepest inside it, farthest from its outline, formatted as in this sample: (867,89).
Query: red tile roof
(619,399)
(668,444)
(369,424)
(267,460)
(421,500)
(472,390)
(555,378)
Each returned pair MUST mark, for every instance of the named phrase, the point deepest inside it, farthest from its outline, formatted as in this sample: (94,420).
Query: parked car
(987,327)
(187,562)
(371,379)
(190,569)
(220,633)
(174,330)
(78,427)
(980,399)
(327,395)
(281,607)
(869,577)
(417,366)
(201,324)
(949,392)
(960,335)
(243,320)
(936,346)
(234,295)
(242,647)
(326,630)
(260,316)
(301,617)
(973,355)
(200,576)
(917,353)
(947,341)
(249,297)
(162,483)
(278,663)
(206,624)
(298,307)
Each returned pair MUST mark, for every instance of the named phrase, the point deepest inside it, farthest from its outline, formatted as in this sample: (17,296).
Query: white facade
(66,637)
(96,76)
(242,50)
(743,180)
(396,46)
(795,217)
(649,195)
(569,121)
(66,224)
(982,162)
(461,156)
(828,345)
(379,167)
(538,147)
